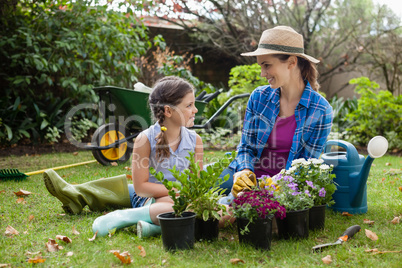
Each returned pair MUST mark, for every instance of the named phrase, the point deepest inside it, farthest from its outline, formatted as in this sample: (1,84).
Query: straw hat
(281,40)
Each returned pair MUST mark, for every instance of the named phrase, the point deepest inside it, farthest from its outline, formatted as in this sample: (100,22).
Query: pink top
(276,152)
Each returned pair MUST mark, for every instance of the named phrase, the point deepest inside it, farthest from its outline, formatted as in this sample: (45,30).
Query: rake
(15,174)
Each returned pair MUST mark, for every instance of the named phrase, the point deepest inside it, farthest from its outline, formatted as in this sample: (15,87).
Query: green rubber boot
(119,219)
(98,194)
(145,229)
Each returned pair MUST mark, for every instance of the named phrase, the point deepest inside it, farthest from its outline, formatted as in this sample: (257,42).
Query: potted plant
(205,202)
(191,184)
(297,200)
(317,177)
(254,211)
(207,210)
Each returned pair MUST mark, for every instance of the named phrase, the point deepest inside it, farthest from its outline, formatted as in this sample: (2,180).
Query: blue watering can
(352,170)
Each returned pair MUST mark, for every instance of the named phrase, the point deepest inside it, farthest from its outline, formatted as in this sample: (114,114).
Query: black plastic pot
(177,232)
(206,230)
(259,234)
(295,225)
(317,217)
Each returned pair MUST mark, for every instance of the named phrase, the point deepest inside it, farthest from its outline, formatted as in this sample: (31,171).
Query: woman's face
(276,71)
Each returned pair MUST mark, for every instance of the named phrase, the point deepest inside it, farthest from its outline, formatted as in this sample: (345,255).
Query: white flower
(298,161)
(317,161)
(306,163)
(324,167)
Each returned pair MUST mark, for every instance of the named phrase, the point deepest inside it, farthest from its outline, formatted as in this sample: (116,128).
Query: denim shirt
(178,158)
(313,115)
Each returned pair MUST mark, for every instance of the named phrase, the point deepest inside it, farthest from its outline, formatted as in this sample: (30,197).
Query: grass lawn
(40,217)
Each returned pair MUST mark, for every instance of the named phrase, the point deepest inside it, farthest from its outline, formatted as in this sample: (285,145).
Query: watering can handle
(351,152)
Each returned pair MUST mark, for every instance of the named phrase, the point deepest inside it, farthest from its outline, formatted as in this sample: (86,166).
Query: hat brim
(263,51)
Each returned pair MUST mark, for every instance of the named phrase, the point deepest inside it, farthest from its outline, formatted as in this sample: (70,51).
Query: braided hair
(169,90)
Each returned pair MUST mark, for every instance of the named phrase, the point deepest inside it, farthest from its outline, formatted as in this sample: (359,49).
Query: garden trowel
(350,232)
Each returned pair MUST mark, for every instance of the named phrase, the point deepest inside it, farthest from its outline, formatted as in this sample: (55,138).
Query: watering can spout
(359,180)
(376,148)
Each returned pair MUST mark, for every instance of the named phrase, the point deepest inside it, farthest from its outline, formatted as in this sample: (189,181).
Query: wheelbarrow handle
(213,95)
(201,95)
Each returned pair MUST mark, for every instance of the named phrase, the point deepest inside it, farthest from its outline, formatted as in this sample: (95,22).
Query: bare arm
(140,170)
(199,151)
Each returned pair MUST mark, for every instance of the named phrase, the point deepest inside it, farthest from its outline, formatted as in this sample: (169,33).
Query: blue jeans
(136,200)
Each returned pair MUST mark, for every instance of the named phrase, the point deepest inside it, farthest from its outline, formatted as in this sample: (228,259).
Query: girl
(285,120)
(161,146)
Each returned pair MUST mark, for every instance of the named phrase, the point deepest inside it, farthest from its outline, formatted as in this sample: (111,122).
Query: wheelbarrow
(125,113)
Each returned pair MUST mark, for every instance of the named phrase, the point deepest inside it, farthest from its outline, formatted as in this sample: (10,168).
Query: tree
(329,27)
(383,50)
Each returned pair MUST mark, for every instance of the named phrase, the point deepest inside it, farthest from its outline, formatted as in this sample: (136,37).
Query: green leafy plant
(192,183)
(243,79)
(53,64)
(377,113)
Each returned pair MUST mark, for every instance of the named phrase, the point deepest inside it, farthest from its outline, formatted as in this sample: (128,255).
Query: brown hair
(308,69)
(169,90)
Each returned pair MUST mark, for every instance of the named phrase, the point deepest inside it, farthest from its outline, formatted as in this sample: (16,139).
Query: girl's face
(184,113)
(276,71)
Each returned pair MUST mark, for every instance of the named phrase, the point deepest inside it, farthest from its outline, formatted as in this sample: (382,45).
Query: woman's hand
(243,180)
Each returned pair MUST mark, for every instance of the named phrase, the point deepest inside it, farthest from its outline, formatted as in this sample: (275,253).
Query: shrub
(377,113)
(55,52)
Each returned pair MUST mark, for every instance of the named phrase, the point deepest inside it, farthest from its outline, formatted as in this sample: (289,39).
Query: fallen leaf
(52,246)
(31,217)
(37,259)
(387,251)
(400,188)
(93,238)
(124,257)
(21,201)
(129,177)
(62,214)
(25,232)
(112,232)
(114,164)
(388,164)
(127,168)
(75,232)
(5,265)
(114,250)
(383,179)
(367,221)
(371,250)
(396,220)
(11,231)
(346,214)
(22,193)
(32,253)
(142,251)
(2,191)
(75,153)
(64,238)
(327,259)
(236,261)
(371,235)
(69,254)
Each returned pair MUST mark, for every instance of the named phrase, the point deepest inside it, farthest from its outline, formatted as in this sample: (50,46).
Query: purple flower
(293,186)
(295,193)
(307,192)
(322,192)
(310,183)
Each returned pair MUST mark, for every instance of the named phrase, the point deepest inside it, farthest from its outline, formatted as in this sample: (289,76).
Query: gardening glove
(243,180)
(268,183)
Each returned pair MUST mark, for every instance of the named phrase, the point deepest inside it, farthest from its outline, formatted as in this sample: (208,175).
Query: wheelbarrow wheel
(107,134)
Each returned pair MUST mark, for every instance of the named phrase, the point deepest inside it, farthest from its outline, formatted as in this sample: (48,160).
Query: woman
(285,120)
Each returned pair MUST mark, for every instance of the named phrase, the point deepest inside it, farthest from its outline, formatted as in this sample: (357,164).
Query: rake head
(12,174)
